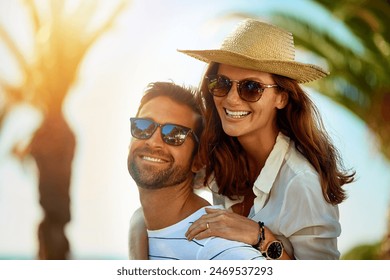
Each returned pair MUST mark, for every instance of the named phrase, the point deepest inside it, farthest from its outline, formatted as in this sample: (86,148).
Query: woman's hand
(225,224)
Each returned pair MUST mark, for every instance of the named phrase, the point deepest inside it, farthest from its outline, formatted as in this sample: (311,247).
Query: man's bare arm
(138,238)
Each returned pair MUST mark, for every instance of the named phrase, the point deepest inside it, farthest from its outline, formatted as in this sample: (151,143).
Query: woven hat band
(261,41)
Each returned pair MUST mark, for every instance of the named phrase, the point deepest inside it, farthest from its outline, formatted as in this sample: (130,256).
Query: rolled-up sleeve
(309,223)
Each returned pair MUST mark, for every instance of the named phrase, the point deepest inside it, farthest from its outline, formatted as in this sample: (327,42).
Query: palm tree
(359,79)
(359,68)
(62,37)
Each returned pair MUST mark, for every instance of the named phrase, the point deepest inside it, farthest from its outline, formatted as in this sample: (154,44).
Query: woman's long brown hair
(226,160)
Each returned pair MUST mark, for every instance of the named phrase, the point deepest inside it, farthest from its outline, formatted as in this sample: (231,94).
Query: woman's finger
(221,221)
(213,210)
(197,228)
(197,225)
(224,224)
(201,225)
(206,228)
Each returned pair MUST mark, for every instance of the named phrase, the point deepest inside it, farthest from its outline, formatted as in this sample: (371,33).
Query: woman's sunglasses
(248,90)
(172,134)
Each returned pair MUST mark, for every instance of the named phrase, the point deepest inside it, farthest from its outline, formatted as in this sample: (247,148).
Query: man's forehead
(163,109)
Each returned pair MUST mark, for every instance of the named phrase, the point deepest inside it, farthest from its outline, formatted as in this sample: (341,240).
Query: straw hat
(263,47)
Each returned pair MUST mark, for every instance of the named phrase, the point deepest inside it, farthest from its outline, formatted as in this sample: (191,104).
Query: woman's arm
(310,223)
(138,237)
(230,226)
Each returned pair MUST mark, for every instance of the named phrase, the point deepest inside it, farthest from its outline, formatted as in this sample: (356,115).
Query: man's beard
(153,177)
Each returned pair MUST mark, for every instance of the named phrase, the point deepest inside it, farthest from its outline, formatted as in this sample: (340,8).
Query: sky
(142,48)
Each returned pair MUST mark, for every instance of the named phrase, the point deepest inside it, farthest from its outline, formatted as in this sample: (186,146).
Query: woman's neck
(258,147)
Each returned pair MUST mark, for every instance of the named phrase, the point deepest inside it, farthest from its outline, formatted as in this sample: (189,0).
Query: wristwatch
(274,250)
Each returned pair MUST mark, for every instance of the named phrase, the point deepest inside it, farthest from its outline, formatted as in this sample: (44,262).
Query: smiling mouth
(236,114)
(153,159)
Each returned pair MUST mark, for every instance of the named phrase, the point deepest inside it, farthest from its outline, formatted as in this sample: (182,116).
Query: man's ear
(199,173)
(282,100)
(196,164)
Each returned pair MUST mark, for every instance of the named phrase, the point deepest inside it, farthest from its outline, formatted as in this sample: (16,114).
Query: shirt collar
(272,165)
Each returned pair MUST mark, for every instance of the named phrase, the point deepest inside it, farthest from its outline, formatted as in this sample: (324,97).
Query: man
(161,161)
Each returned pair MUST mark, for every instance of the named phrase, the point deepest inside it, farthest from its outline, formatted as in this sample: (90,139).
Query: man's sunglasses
(172,134)
(248,90)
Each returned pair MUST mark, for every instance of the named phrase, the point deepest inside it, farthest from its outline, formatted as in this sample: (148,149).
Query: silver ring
(207,225)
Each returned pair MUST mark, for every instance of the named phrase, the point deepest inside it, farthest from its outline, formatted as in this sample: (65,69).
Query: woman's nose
(233,95)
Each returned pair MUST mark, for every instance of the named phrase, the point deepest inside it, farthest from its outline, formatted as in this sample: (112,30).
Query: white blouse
(290,202)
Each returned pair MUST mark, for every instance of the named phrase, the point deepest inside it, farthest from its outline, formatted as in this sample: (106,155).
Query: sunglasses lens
(174,134)
(250,90)
(171,134)
(142,128)
(219,85)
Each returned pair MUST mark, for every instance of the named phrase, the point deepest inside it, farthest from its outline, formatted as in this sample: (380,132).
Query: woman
(264,146)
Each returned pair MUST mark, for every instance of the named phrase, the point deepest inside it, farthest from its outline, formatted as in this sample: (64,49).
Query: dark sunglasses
(248,90)
(172,134)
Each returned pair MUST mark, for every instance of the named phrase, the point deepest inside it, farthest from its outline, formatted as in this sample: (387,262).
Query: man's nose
(155,140)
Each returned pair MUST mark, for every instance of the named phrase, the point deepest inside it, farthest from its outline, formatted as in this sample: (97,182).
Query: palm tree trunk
(53,148)
(385,254)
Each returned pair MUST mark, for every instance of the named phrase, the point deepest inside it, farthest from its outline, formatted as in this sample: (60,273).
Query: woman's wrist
(260,236)
(265,239)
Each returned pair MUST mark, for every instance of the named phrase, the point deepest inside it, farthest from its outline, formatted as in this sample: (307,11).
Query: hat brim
(298,71)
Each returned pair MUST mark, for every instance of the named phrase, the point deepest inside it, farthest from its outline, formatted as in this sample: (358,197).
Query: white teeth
(152,159)
(236,114)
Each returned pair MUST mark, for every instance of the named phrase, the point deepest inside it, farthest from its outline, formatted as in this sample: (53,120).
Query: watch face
(275,250)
